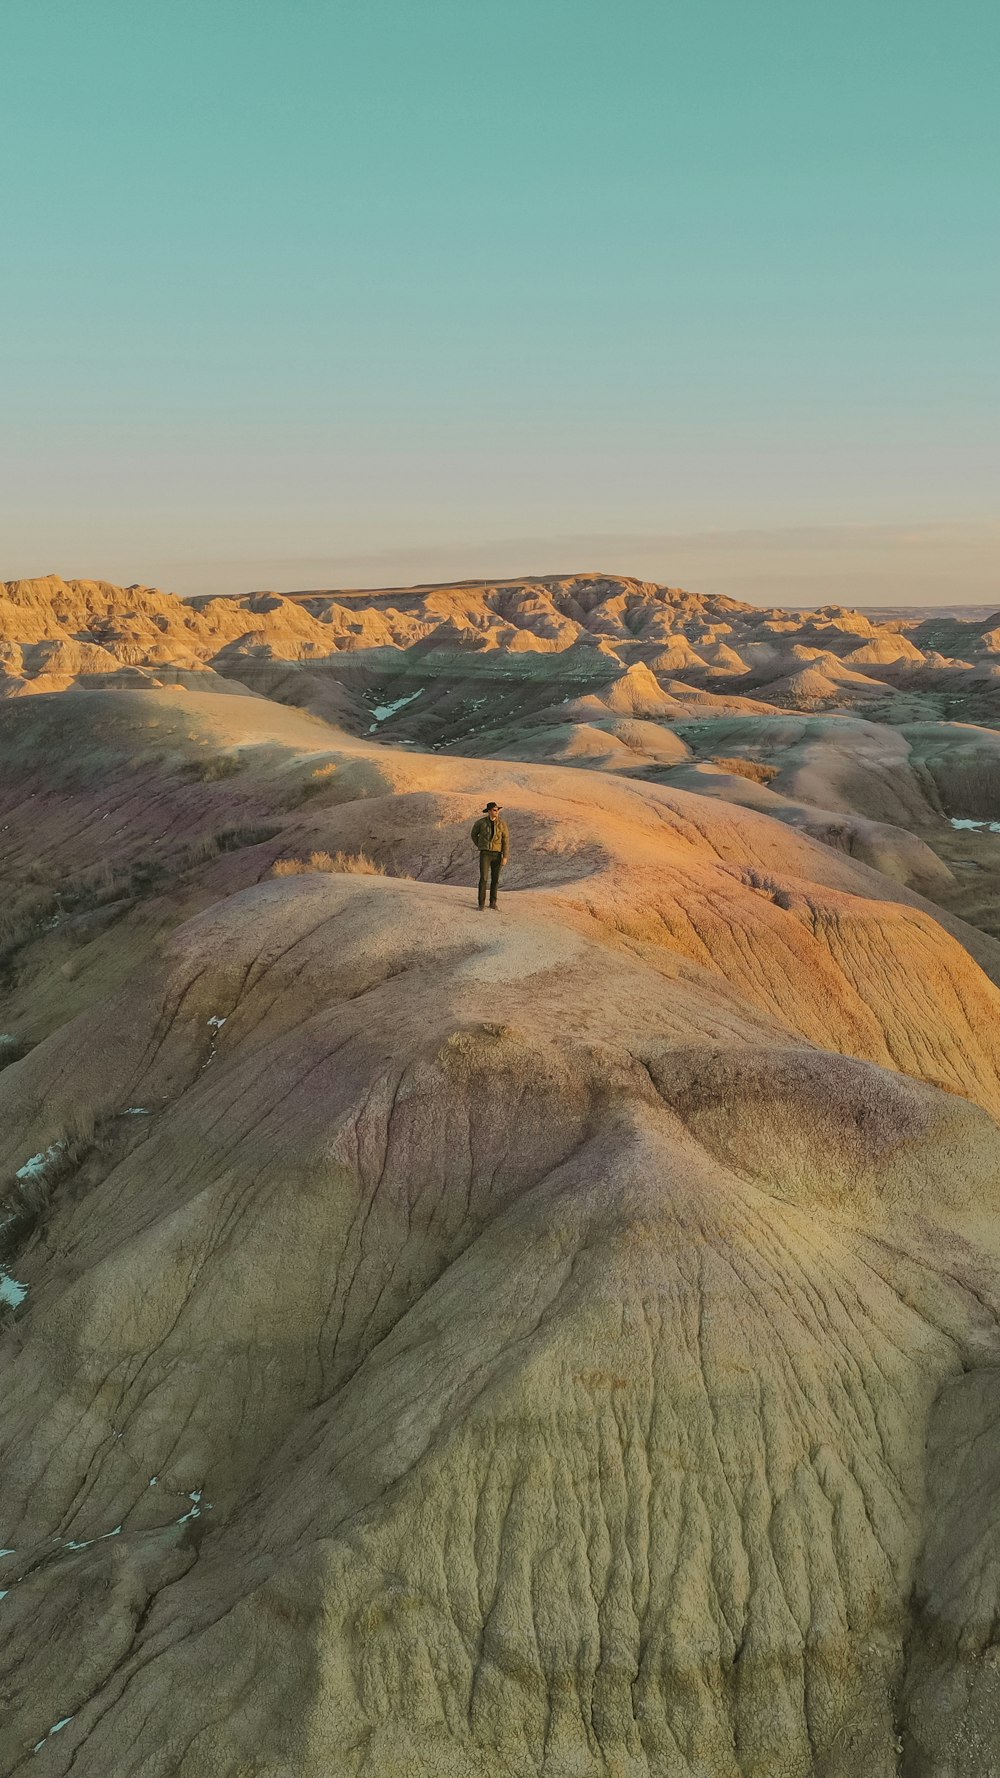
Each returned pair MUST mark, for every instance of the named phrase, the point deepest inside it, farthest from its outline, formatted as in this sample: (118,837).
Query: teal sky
(310,292)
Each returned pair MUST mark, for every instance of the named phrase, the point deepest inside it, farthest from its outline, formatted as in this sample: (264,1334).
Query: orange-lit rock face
(443,1343)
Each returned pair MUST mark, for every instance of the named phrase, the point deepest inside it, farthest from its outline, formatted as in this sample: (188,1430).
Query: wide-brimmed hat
(490,806)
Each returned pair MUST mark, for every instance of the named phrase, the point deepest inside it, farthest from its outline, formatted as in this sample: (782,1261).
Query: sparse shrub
(22,919)
(145,876)
(230,839)
(102,882)
(219,765)
(233,839)
(47,900)
(314,785)
(748,768)
(355,864)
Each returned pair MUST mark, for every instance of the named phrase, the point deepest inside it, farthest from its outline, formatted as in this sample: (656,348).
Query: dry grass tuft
(47,898)
(21,919)
(354,864)
(217,766)
(319,780)
(748,768)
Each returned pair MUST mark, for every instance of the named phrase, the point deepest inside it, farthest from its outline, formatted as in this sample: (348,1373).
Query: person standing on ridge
(491,837)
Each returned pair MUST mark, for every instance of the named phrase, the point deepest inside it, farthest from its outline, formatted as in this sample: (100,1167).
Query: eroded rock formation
(557,1344)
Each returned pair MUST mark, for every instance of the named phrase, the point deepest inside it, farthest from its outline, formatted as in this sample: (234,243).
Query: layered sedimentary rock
(561,1341)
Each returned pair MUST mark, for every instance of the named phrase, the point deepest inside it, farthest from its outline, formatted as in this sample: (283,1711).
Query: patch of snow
(86,1543)
(37,1163)
(194,1510)
(975,826)
(3,1592)
(136,1111)
(13,1292)
(382,711)
(56,1729)
(8,1552)
(153,1481)
(217,1021)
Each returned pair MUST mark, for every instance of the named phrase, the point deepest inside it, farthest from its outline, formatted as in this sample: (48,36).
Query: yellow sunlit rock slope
(554,1342)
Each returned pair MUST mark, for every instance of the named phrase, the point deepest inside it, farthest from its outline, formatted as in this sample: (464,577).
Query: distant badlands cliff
(53,632)
(439,1345)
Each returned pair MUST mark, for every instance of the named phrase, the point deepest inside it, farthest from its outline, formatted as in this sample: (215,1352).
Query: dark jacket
(490,835)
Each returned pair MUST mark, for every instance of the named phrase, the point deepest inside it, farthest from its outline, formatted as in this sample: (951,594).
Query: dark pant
(489,872)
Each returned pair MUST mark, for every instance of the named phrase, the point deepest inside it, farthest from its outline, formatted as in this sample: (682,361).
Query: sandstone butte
(561,1345)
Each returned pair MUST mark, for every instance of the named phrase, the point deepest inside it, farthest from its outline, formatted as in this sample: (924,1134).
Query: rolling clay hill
(553,1343)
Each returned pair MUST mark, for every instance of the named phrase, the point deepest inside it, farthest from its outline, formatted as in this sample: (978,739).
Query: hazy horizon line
(929,563)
